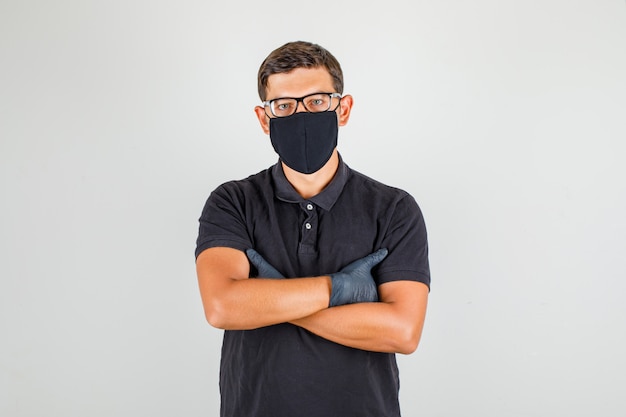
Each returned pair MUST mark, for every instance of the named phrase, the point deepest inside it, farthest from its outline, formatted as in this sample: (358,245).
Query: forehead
(299,82)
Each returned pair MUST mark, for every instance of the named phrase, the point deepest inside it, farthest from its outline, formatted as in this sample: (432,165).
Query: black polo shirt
(284,370)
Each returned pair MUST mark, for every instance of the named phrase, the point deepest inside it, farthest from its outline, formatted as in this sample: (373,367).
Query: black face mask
(305,141)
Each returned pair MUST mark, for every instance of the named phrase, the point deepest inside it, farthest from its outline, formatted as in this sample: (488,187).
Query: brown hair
(299,54)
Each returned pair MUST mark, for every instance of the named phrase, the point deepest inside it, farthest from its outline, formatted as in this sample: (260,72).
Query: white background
(505,119)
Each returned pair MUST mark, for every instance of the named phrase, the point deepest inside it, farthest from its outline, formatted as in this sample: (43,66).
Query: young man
(317,273)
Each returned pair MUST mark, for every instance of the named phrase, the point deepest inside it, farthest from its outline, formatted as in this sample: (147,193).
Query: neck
(309,185)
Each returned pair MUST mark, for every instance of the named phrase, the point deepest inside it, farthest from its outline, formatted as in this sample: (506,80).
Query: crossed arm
(234,302)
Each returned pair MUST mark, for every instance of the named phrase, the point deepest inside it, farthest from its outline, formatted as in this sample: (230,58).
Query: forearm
(252,303)
(378,327)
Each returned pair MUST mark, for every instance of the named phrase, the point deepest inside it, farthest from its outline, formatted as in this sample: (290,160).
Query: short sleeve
(222,222)
(407,243)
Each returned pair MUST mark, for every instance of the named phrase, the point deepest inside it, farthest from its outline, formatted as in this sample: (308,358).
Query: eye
(283,107)
(317,102)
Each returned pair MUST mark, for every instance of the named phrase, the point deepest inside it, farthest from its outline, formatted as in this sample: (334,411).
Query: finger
(375,258)
(255,258)
(263,267)
(270,272)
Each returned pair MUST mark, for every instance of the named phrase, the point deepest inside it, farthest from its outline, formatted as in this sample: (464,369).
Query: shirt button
(308,226)
(309,206)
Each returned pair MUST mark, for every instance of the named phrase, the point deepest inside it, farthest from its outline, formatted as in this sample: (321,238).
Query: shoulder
(258,183)
(239,196)
(362,183)
(382,198)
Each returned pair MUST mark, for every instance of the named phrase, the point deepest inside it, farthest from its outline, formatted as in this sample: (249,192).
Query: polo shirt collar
(326,199)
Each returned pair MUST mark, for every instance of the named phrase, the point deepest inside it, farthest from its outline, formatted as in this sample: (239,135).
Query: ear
(263,119)
(344,109)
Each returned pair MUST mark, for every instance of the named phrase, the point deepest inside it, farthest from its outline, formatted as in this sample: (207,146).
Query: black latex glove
(263,267)
(354,283)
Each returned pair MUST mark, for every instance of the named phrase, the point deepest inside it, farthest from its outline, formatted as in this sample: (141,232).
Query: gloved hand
(265,269)
(354,283)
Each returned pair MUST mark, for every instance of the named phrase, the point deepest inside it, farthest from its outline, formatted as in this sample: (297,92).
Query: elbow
(407,341)
(408,347)
(215,314)
(215,321)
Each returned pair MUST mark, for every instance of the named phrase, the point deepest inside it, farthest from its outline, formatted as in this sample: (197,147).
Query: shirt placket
(308,233)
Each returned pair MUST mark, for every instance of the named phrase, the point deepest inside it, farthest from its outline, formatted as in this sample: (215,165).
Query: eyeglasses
(313,103)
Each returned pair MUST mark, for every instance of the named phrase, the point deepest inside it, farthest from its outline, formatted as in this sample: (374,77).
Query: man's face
(299,83)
